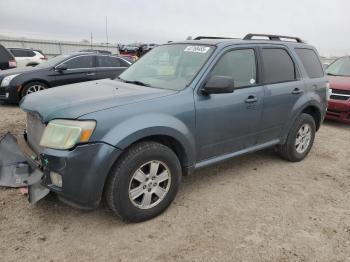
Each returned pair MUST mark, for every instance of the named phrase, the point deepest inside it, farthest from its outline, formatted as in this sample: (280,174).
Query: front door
(227,123)
(79,69)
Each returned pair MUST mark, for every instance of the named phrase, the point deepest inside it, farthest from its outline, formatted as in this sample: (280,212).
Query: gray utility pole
(106,33)
(91,40)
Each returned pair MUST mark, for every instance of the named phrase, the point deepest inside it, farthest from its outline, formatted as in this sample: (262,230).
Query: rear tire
(143,182)
(300,139)
(33,87)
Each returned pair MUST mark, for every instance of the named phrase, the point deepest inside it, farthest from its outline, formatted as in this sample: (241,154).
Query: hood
(73,101)
(339,82)
(14,71)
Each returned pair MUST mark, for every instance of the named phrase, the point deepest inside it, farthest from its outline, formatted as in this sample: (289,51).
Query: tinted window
(19,52)
(311,62)
(30,53)
(4,54)
(108,61)
(238,64)
(80,62)
(277,65)
(123,63)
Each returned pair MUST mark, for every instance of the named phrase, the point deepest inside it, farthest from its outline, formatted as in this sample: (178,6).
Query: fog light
(7,95)
(56,179)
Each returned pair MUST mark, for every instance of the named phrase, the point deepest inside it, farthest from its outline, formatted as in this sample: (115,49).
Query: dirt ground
(252,208)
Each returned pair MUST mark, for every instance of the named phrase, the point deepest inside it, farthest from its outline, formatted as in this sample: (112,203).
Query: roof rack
(212,37)
(273,37)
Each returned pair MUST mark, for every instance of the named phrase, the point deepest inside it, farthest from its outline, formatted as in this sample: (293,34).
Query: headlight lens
(7,80)
(65,134)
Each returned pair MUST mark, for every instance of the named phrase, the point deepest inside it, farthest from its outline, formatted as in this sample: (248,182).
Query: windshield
(169,66)
(53,61)
(340,67)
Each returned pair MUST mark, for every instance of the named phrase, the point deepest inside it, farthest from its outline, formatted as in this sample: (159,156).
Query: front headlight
(7,80)
(65,134)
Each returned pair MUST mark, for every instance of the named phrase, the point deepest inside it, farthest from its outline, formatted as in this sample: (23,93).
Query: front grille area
(341,91)
(35,129)
(339,94)
(338,97)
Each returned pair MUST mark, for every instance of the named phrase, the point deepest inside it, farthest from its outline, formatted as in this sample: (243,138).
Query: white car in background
(27,57)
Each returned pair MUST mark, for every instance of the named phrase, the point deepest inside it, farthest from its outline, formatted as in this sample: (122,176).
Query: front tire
(300,139)
(143,182)
(33,87)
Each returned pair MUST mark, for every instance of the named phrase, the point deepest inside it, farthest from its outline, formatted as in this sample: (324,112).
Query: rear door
(283,86)
(110,66)
(79,69)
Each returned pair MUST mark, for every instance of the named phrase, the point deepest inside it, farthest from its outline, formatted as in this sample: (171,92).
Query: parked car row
(58,71)
(31,80)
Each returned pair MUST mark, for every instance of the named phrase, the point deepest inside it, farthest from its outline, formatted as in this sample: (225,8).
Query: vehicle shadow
(336,124)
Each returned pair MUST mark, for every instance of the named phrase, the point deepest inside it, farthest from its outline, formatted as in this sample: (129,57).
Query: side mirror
(61,67)
(219,85)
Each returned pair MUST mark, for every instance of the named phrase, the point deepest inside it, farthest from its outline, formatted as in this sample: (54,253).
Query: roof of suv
(271,39)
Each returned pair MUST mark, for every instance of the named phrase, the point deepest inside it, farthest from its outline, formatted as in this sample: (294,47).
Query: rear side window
(238,64)
(311,62)
(108,61)
(30,53)
(278,66)
(123,63)
(80,62)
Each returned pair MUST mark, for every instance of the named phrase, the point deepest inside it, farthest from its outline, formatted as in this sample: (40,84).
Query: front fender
(153,124)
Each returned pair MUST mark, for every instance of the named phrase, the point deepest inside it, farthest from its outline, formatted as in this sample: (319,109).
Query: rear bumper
(84,170)
(339,111)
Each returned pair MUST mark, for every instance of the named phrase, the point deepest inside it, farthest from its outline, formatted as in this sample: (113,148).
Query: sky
(322,23)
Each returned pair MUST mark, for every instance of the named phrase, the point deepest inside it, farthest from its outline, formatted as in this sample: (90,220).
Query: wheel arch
(315,112)
(310,108)
(33,81)
(175,145)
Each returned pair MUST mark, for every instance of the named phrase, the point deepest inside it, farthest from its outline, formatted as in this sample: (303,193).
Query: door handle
(251,99)
(90,74)
(297,91)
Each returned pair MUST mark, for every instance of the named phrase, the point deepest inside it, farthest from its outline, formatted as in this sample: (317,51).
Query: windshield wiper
(136,82)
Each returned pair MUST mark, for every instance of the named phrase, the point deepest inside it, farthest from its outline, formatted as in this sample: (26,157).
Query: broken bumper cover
(83,169)
(20,167)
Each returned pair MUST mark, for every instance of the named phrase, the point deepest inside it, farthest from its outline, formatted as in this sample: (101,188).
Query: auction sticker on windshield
(197,49)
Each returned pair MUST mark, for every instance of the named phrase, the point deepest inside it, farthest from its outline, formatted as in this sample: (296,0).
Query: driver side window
(81,62)
(238,64)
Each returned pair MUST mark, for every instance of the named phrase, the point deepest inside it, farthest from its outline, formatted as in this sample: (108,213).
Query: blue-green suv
(183,106)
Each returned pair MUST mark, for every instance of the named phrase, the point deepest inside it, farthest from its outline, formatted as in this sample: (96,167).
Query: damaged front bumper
(20,167)
(83,170)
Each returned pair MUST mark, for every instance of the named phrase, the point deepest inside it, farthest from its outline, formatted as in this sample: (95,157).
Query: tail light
(12,63)
(44,57)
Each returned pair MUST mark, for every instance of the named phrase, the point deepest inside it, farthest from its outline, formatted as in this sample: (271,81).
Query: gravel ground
(252,208)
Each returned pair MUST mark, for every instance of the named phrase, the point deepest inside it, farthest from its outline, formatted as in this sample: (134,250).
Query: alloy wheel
(303,138)
(149,184)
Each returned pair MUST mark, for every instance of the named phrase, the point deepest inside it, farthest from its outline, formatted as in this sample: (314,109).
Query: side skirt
(221,158)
